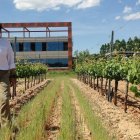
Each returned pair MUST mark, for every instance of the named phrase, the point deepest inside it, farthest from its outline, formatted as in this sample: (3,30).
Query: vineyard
(66,108)
(118,68)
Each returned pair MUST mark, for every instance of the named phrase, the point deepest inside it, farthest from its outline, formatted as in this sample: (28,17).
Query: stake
(94,83)
(14,87)
(106,86)
(126,95)
(91,82)
(25,83)
(108,95)
(102,85)
(115,94)
(97,85)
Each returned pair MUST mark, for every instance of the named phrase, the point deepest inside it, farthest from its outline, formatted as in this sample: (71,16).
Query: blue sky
(92,20)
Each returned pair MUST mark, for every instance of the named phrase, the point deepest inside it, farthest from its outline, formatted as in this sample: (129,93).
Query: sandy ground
(126,126)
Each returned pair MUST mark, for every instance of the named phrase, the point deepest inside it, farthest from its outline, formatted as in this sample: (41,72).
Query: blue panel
(17,46)
(60,62)
(52,46)
(60,46)
(63,62)
(55,46)
(27,46)
(38,46)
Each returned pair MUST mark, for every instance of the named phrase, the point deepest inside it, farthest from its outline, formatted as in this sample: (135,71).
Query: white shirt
(6,55)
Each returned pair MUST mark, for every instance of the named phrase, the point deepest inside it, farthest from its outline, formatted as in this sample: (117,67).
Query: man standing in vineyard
(6,64)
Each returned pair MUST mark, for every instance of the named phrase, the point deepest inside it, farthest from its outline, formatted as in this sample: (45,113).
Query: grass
(94,123)
(33,116)
(56,73)
(68,124)
(35,128)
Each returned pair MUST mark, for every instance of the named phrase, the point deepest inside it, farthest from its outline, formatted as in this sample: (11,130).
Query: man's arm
(12,77)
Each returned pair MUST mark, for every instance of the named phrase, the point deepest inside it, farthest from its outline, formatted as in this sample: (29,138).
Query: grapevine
(118,68)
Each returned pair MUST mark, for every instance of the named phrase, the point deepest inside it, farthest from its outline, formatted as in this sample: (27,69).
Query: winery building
(53,47)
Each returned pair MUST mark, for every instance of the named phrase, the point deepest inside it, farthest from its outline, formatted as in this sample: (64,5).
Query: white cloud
(41,5)
(68,11)
(132,16)
(138,2)
(118,17)
(127,9)
(88,3)
(56,8)
(104,20)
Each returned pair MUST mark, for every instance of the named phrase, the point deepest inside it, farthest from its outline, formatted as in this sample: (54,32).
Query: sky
(92,20)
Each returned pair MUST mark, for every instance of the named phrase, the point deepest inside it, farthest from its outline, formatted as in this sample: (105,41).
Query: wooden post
(25,83)
(115,93)
(28,84)
(34,80)
(126,95)
(14,87)
(102,85)
(91,82)
(106,86)
(97,85)
(111,50)
(94,83)
(108,95)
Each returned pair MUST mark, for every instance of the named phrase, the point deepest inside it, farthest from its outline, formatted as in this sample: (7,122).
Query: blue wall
(51,46)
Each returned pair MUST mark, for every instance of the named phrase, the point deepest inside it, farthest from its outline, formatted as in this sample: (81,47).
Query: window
(44,44)
(63,62)
(20,47)
(27,46)
(52,46)
(65,46)
(55,46)
(38,46)
(59,62)
(60,46)
(32,46)
(17,46)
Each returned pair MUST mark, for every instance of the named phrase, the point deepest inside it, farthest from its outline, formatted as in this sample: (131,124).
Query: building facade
(56,51)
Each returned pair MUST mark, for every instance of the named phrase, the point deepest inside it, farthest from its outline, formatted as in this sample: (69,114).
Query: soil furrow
(20,100)
(53,123)
(81,126)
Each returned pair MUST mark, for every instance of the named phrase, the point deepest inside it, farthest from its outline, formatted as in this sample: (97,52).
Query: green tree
(130,45)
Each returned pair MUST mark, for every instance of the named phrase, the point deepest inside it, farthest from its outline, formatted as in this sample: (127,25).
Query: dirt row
(21,99)
(53,123)
(125,125)
(81,126)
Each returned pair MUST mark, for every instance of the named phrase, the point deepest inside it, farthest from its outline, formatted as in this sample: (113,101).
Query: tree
(79,57)
(130,45)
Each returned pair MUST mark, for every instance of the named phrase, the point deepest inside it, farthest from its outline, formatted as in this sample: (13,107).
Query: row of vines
(116,68)
(32,73)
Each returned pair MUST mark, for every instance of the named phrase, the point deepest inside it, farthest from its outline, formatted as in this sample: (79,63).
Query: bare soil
(126,126)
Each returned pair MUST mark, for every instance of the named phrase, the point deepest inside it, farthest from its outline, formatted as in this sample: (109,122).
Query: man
(6,65)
